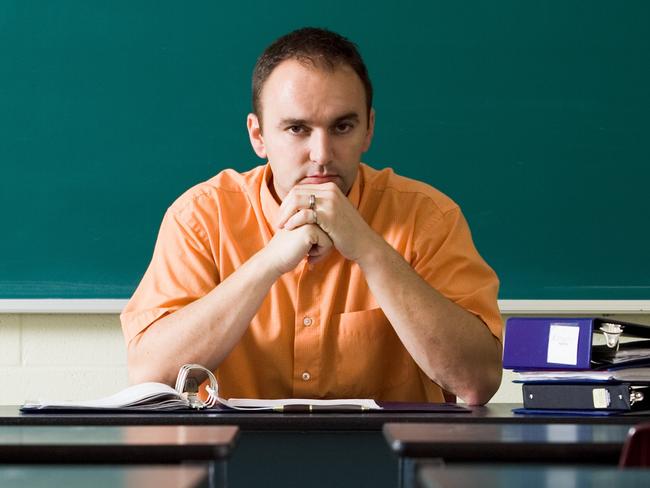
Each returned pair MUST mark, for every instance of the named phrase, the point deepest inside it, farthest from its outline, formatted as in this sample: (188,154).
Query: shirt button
(307,321)
(306,376)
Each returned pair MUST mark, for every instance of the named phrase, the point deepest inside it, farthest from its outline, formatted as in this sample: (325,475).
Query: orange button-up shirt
(319,333)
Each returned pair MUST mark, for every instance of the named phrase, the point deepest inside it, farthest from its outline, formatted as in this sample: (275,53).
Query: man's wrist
(374,253)
(265,267)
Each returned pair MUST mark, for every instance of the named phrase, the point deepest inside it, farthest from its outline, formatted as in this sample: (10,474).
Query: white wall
(60,356)
(82,356)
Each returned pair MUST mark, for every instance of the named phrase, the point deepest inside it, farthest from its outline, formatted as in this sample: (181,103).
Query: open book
(158,397)
(162,397)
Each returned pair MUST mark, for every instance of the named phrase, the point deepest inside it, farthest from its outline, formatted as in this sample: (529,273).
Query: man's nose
(320,150)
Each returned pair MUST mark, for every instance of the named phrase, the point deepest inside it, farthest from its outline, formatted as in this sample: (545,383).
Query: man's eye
(343,128)
(297,129)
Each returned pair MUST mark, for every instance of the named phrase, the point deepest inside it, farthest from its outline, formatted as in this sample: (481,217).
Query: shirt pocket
(368,356)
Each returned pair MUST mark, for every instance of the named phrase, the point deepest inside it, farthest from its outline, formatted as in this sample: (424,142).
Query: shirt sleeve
(445,256)
(182,270)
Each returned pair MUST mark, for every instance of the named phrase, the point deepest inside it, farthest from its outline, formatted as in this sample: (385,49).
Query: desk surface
(106,444)
(372,421)
(551,443)
(531,477)
(21,476)
(343,448)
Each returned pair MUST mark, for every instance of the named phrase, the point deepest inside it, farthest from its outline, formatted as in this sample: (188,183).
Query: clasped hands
(311,226)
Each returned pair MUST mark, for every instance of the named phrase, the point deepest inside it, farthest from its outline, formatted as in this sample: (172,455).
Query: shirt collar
(270,207)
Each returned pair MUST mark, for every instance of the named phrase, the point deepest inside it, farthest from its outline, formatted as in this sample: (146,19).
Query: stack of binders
(586,366)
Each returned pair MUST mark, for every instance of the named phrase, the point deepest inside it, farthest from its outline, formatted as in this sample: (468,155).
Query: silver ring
(312,202)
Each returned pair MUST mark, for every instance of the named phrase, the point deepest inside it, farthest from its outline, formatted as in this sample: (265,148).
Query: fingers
(293,204)
(317,237)
(321,247)
(300,197)
(287,248)
(318,259)
(302,217)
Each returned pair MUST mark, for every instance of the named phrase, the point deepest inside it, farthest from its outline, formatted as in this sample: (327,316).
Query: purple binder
(526,344)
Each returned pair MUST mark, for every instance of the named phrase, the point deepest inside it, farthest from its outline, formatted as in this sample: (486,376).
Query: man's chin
(337,180)
(320,180)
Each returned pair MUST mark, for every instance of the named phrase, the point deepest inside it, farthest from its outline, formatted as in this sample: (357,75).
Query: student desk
(47,476)
(531,477)
(319,450)
(504,443)
(169,444)
(323,422)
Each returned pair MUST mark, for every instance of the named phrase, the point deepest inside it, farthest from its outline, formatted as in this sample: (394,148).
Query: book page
(144,395)
(255,403)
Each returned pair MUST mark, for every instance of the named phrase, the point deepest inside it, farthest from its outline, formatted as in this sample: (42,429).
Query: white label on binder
(601,397)
(563,344)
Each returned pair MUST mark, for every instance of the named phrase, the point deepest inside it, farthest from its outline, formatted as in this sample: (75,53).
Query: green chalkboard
(533,116)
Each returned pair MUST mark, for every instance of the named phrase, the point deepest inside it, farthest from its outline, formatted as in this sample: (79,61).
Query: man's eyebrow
(352,116)
(290,121)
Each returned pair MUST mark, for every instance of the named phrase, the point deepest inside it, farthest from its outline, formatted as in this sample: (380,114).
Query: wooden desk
(34,476)
(504,443)
(210,445)
(531,477)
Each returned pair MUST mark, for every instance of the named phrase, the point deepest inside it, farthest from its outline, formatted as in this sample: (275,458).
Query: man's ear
(255,135)
(371,130)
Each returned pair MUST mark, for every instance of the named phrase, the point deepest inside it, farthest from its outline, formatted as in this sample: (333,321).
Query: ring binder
(189,387)
(572,396)
(612,333)
(570,344)
(586,366)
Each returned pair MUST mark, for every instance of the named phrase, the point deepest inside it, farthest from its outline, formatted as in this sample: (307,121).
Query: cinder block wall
(60,357)
(78,357)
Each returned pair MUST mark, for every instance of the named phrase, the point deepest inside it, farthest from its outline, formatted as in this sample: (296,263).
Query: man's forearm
(451,345)
(205,331)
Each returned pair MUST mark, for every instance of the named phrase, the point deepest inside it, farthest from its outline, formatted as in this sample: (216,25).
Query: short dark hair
(321,48)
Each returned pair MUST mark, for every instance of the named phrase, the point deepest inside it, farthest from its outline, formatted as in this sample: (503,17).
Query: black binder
(586,396)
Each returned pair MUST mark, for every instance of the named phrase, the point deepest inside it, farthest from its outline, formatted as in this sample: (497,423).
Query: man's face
(314,126)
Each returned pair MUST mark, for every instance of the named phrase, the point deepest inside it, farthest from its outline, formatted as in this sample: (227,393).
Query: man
(315,275)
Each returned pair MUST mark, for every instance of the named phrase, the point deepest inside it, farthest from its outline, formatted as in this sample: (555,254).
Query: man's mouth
(318,179)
